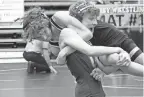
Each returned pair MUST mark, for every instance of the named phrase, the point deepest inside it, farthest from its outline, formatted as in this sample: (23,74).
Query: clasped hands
(124,60)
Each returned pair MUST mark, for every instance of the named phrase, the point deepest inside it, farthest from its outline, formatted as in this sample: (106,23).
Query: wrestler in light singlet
(110,59)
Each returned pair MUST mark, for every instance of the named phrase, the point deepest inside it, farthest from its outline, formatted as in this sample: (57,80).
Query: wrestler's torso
(107,35)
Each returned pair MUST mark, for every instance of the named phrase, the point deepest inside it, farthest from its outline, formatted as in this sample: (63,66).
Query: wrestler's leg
(106,63)
(80,66)
(38,59)
(133,69)
(109,60)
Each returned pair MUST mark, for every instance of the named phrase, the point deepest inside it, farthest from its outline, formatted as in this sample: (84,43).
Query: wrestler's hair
(81,7)
(35,23)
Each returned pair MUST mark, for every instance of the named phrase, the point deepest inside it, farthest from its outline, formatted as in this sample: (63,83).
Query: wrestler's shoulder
(61,13)
(102,24)
(69,30)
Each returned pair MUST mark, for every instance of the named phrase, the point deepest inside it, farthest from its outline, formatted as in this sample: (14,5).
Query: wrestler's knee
(113,58)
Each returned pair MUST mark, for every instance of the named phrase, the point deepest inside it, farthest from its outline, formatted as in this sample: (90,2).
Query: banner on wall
(122,16)
(10,10)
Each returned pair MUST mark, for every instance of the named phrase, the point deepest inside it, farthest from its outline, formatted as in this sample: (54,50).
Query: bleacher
(10,33)
(11,43)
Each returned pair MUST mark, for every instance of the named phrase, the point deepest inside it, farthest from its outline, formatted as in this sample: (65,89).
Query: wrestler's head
(85,11)
(36,25)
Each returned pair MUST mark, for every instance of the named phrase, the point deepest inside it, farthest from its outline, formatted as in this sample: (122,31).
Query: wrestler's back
(106,35)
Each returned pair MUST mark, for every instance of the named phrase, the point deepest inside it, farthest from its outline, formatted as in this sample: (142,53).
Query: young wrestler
(89,81)
(79,63)
(78,10)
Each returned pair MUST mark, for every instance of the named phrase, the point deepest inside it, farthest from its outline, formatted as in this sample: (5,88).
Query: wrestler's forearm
(109,69)
(68,50)
(106,69)
(93,50)
(101,50)
(72,39)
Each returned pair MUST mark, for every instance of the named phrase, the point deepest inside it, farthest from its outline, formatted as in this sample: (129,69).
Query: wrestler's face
(89,20)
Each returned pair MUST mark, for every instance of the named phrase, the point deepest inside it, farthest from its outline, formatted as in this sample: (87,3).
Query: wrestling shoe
(30,68)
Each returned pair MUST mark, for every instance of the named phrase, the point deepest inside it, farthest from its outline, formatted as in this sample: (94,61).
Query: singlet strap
(54,24)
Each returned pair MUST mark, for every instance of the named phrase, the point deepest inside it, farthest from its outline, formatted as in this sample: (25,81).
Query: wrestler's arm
(45,47)
(135,53)
(72,22)
(72,39)
(46,53)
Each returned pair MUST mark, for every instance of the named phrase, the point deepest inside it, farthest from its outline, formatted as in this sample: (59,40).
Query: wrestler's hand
(53,70)
(97,74)
(119,50)
(61,58)
(124,59)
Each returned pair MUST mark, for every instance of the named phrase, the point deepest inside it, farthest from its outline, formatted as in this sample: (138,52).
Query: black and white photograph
(71,48)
